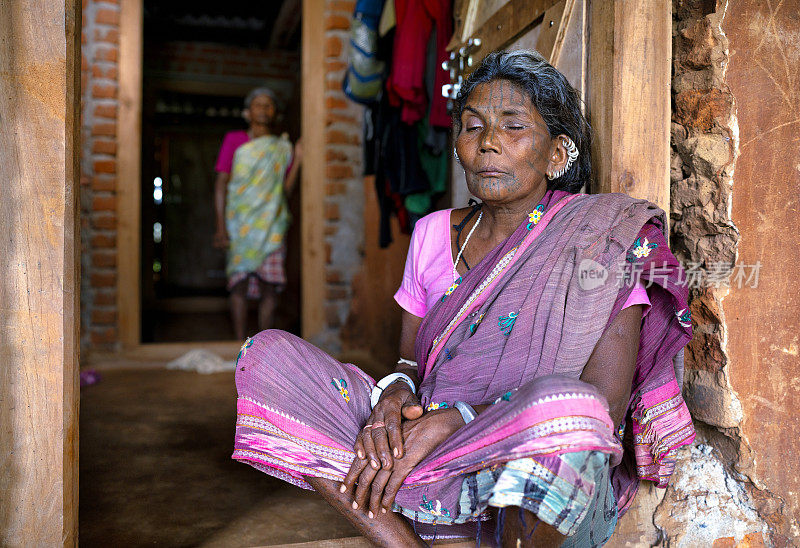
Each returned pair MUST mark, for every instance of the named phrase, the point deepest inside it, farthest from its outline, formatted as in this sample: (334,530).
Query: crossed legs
(389,529)
(392,529)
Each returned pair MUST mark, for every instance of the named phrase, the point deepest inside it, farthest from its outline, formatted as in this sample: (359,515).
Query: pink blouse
(429,267)
(232,141)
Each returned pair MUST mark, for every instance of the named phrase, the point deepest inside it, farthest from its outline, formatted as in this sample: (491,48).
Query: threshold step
(360,542)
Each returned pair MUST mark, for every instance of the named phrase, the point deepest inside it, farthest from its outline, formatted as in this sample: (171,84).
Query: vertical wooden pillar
(129,166)
(39,289)
(313,181)
(630,58)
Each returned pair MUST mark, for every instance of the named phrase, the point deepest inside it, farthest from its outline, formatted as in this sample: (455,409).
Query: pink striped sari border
(531,416)
(248,407)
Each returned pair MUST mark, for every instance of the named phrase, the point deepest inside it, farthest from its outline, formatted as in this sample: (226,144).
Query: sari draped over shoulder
(516,333)
(256,214)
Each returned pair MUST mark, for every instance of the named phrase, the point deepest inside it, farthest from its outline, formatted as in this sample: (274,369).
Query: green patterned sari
(256,213)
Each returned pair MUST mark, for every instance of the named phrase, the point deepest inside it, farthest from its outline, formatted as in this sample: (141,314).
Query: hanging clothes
(390,153)
(406,83)
(432,151)
(363,81)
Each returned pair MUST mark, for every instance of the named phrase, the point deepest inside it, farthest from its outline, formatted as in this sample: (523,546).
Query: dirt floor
(155,469)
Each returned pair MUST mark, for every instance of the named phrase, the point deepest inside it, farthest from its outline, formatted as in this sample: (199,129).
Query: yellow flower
(642,250)
(534,216)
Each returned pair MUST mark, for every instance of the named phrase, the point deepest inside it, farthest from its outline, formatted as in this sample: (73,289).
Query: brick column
(100,40)
(344,195)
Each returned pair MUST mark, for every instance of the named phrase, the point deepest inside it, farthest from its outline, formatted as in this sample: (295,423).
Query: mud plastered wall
(735,179)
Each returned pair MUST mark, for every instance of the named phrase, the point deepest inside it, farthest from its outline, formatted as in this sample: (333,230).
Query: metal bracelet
(466,410)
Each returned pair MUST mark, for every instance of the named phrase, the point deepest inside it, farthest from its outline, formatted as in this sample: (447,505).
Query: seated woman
(536,383)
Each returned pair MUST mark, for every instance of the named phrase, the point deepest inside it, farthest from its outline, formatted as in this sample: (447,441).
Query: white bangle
(407,362)
(466,410)
(386,381)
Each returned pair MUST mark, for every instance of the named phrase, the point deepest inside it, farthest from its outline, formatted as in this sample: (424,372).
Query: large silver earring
(572,155)
(455,155)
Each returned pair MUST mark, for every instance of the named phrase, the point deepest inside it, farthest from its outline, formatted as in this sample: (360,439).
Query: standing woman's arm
(220,191)
(297,159)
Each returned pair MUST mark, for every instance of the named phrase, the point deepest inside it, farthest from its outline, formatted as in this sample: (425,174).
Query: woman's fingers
(355,470)
(358,446)
(381,442)
(369,450)
(412,408)
(395,434)
(363,487)
(376,493)
(391,488)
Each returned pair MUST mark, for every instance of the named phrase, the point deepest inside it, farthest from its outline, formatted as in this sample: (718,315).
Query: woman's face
(262,110)
(504,145)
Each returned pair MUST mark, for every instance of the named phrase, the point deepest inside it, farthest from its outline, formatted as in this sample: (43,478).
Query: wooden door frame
(129,170)
(40,63)
(630,74)
(129,159)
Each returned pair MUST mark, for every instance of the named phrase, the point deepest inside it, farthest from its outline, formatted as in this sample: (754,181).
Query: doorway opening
(199,61)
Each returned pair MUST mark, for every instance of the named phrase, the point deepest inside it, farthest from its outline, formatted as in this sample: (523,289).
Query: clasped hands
(397,437)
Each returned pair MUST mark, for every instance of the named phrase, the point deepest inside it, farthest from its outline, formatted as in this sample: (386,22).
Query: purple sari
(515,333)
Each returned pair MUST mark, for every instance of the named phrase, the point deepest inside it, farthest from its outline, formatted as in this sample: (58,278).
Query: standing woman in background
(256,171)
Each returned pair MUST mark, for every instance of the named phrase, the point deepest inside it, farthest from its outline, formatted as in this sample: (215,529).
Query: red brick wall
(344,192)
(209,60)
(100,52)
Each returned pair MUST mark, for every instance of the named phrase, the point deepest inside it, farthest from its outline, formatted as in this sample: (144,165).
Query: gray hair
(260,91)
(554,98)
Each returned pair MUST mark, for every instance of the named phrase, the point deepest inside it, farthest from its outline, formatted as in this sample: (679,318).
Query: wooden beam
(285,24)
(313,178)
(508,23)
(39,273)
(630,57)
(129,165)
(227,87)
(554,25)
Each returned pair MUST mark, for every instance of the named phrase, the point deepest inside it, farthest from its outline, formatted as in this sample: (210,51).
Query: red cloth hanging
(406,83)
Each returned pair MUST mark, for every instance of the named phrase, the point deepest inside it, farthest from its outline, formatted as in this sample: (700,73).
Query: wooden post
(39,276)
(129,166)
(313,180)
(630,57)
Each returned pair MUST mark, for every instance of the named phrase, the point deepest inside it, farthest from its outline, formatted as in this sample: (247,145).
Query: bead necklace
(461,251)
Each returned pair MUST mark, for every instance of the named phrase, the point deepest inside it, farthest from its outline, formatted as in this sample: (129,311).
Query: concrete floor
(155,469)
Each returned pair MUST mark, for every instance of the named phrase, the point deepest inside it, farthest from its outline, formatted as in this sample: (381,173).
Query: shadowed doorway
(200,60)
